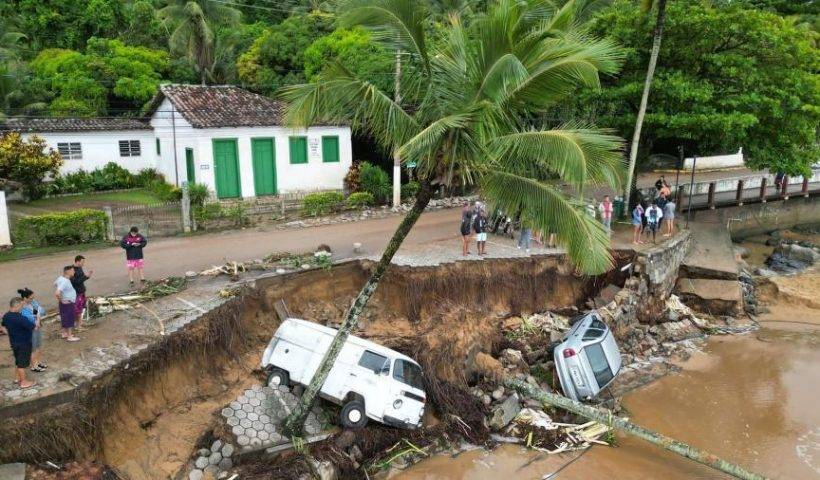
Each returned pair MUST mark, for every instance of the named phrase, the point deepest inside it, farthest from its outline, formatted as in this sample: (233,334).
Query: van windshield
(408,373)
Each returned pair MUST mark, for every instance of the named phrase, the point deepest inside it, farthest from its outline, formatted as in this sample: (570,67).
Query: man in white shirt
(653,216)
(66,296)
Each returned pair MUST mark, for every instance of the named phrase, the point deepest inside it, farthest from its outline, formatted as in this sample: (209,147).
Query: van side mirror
(385,369)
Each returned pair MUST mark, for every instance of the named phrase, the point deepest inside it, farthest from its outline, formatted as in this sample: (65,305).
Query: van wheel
(278,377)
(353,415)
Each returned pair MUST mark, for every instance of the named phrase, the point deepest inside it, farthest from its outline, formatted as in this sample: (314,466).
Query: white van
(367,380)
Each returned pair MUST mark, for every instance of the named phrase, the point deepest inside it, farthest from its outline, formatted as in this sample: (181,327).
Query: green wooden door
(264,166)
(226,168)
(189,165)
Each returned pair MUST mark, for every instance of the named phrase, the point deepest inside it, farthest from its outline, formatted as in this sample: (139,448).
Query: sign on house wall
(314,153)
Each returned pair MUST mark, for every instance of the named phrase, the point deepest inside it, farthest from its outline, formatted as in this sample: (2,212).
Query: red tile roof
(213,106)
(34,125)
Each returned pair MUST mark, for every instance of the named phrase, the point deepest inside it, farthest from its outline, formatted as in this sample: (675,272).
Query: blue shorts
(481,237)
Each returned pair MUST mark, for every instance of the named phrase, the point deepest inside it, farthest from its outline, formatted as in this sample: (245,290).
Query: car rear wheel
(278,377)
(353,415)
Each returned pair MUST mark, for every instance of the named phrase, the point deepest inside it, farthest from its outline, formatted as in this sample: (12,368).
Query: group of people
(23,322)
(656,215)
(474,220)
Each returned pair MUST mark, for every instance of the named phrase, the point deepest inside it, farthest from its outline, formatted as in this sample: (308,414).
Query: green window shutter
(330,149)
(298,150)
(158,147)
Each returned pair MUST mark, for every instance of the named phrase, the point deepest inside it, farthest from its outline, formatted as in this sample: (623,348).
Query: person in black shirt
(19,329)
(466,221)
(78,282)
(480,228)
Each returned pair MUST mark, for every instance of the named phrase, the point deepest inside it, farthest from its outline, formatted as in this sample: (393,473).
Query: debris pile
(153,289)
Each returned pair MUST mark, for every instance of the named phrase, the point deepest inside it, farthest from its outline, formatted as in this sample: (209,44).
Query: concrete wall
(759,218)
(99,148)
(5,237)
(716,161)
(660,265)
(314,175)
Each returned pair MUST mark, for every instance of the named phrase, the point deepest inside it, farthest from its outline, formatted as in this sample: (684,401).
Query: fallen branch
(608,418)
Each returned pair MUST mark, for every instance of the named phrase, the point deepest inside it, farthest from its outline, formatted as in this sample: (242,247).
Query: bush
(359,199)
(352,178)
(322,203)
(198,194)
(409,190)
(63,228)
(27,162)
(205,214)
(165,191)
(374,181)
(110,177)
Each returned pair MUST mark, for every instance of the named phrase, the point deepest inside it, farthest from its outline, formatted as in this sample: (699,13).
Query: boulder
(504,413)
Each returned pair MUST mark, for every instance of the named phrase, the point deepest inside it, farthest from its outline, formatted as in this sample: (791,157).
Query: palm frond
(549,210)
(577,155)
(397,23)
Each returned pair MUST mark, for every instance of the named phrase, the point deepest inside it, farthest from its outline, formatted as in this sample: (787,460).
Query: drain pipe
(606,417)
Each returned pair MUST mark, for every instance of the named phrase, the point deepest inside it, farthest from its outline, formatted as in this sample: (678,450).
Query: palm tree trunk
(294,422)
(606,417)
(650,72)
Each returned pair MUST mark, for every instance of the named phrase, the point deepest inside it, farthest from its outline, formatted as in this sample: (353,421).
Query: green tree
(109,71)
(354,49)
(27,162)
(482,82)
(727,77)
(276,57)
(192,23)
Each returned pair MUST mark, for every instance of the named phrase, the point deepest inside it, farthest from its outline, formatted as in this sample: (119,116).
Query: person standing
(78,282)
(133,243)
(653,218)
(661,202)
(480,228)
(525,238)
(637,223)
(466,223)
(34,312)
(669,217)
(19,330)
(66,296)
(606,213)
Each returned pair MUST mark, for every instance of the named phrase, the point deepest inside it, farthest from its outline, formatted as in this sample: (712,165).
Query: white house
(224,137)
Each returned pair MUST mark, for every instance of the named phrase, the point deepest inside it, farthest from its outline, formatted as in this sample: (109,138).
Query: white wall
(313,175)
(5,237)
(716,161)
(99,148)
(169,126)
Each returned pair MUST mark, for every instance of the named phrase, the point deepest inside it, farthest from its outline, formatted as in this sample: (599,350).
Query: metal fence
(161,219)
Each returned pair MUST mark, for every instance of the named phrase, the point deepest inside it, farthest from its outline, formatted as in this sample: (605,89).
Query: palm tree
(10,65)
(466,120)
(191,23)
(646,6)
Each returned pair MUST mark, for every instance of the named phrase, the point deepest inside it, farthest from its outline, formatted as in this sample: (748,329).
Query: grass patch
(137,196)
(18,253)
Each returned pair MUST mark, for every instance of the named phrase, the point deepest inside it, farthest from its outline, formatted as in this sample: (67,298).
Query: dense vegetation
(731,73)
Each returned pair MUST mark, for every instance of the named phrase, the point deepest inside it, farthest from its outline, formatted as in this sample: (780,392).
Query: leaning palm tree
(191,23)
(646,6)
(465,120)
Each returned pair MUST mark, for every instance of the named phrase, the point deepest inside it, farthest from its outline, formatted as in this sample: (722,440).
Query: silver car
(588,359)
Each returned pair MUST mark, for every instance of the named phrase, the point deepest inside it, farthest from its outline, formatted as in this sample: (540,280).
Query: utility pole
(691,188)
(174,133)
(396,159)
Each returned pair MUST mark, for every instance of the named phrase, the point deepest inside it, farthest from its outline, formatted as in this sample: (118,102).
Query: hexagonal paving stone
(253,416)
(227,450)
(247,407)
(227,412)
(238,431)
(277,438)
(241,414)
(251,433)
(255,442)
(264,436)
(236,405)
(243,440)
(267,390)
(264,418)
(245,423)
(255,402)
(257,425)
(233,421)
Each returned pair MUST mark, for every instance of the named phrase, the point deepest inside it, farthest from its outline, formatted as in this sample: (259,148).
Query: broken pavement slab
(713,297)
(711,254)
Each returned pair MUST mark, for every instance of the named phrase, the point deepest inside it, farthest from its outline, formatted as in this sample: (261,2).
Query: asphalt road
(176,255)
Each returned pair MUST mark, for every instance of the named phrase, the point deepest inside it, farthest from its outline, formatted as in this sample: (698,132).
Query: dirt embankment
(146,416)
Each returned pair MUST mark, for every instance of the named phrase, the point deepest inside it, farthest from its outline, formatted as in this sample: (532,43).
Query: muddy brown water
(752,399)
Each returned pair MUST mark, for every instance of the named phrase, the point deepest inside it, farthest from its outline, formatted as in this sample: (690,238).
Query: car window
(599,364)
(593,334)
(598,324)
(408,373)
(373,361)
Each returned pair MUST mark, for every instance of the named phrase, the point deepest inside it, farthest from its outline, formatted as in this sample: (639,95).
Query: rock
(227,450)
(13,471)
(511,323)
(504,413)
(216,446)
(498,393)
(225,464)
(326,470)
(204,452)
(201,462)
(510,357)
(215,458)
(195,474)
(210,472)
(190,274)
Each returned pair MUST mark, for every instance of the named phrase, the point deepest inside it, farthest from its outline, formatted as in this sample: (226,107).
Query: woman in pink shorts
(133,243)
